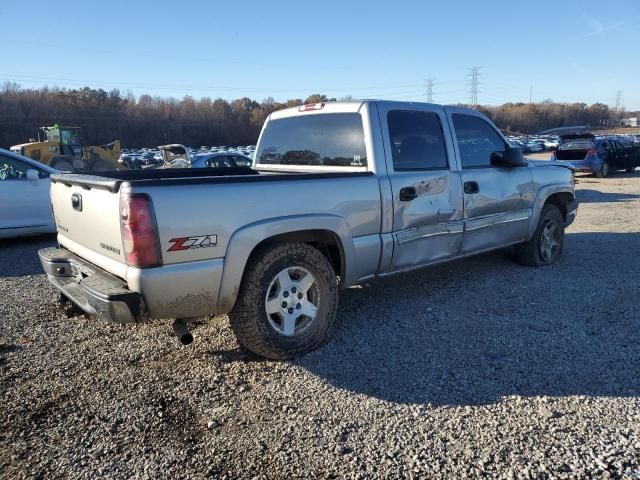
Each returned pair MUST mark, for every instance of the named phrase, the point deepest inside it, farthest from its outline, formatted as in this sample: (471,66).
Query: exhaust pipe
(180,328)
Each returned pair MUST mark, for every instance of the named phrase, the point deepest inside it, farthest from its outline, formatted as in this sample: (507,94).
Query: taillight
(311,106)
(139,231)
(592,151)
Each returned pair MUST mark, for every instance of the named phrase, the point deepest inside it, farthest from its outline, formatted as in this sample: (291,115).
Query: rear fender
(596,162)
(244,240)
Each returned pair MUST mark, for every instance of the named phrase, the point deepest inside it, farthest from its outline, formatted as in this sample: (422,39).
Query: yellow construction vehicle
(62,148)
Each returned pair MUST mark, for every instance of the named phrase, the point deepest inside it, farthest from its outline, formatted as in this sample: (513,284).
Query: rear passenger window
(477,140)
(417,140)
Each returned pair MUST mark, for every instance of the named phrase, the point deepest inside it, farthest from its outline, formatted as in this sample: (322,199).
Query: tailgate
(88,223)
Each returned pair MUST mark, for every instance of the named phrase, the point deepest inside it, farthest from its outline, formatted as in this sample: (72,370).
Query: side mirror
(33,175)
(511,157)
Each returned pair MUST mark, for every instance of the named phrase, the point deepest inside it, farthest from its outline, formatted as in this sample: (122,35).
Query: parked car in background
(533,147)
(150,157)
(25,207)
(541,143)
(598,155)
(220,160)
(518,144)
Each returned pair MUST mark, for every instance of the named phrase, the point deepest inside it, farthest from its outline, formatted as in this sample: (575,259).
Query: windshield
(70,136)
(334,139)
(576,145)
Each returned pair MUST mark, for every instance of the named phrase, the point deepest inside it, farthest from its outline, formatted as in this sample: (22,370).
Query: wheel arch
(329,233)
(559,195)
(562,200)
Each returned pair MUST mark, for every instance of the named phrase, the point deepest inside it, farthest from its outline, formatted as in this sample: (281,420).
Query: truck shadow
(614,175)
(19,256)
(596,196)
(474,331)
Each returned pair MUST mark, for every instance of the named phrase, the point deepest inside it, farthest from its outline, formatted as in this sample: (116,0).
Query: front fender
(542,196)
(245,239)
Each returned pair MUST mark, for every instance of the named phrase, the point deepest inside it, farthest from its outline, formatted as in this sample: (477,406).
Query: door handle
(407,194)
(471,187)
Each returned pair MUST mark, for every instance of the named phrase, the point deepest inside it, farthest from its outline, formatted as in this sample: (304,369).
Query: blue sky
(575,50)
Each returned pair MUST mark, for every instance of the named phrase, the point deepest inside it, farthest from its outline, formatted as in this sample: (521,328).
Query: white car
(25,206)
(533,147)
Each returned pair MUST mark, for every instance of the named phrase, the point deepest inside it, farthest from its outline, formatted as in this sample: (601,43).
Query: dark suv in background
(598,155)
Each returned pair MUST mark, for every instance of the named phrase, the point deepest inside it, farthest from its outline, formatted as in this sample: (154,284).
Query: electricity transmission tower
(473,84)
(618,100)
(429,85)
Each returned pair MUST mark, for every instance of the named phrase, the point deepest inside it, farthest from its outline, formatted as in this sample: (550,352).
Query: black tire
(533,253)
(100,165)
(604,170)
(62,164)
(255,329)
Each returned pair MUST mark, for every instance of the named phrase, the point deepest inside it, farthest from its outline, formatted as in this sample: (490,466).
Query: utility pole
(530,110)
(473,84)
(619,108)
(429,85)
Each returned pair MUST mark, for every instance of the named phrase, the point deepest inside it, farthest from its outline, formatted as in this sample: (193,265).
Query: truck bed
(112,180)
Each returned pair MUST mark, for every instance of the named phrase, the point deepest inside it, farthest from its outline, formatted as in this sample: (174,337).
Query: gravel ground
(474,368)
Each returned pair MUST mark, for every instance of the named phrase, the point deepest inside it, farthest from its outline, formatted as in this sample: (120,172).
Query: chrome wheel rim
(550,241)
(292,301)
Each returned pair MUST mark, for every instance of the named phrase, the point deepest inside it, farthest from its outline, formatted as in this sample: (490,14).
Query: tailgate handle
(76,202)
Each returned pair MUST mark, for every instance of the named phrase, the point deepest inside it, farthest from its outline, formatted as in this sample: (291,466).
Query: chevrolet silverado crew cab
(338,193)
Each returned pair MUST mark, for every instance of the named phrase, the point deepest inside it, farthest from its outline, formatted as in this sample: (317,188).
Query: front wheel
(546,244)
(62,164)
(287,301)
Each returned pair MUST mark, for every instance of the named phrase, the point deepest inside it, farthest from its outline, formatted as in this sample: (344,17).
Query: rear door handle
(471,187)
(407,194)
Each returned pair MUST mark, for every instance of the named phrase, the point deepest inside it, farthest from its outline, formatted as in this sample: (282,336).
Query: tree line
(152,120)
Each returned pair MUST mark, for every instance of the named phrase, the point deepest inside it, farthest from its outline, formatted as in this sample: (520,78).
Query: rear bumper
(93,290)
(589,164)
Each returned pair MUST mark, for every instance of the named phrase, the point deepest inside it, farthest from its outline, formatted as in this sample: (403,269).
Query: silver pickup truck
(339,193)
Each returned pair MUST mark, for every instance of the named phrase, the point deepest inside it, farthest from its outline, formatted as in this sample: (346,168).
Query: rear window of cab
(327,139)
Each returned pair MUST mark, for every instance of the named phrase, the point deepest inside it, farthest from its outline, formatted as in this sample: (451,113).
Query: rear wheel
(287,301)
(604,170)
(546,244)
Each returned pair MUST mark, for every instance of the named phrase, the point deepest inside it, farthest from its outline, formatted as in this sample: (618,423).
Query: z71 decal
(189,243)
